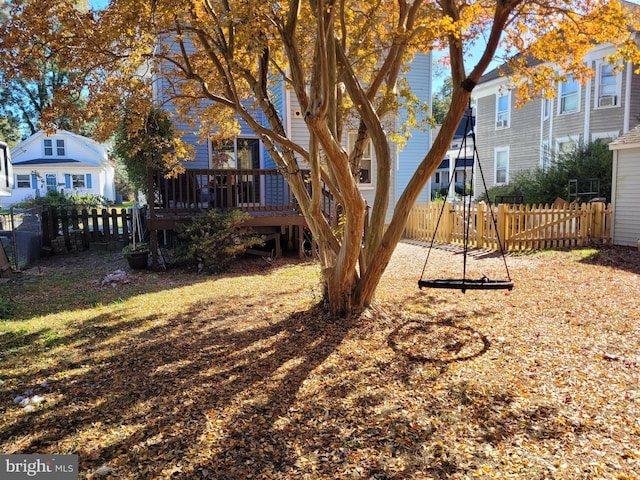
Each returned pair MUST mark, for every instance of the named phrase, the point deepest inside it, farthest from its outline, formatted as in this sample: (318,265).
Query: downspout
(541,141)
(614,190)
(627,98)
(587,113)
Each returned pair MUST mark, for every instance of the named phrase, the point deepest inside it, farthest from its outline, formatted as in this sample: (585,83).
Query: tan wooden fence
(520,227)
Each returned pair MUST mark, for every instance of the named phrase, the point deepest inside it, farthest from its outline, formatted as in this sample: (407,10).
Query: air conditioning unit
(501,124)
(607,101)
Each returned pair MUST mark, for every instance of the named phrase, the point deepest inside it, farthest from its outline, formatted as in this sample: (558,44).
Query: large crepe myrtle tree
(218,61)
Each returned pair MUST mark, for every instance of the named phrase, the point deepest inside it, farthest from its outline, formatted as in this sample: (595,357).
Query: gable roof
(628,140)
(45,161)
(504,71)
(90,152)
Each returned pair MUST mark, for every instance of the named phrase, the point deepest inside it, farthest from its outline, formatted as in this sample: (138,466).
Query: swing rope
(463,284)
(494,220)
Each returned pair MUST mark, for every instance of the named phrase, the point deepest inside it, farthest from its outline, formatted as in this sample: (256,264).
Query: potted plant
(137,255)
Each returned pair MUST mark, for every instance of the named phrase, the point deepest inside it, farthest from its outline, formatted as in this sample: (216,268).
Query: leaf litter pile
(242,375)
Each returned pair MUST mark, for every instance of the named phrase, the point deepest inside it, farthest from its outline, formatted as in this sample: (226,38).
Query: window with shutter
(23,181)
(78,181)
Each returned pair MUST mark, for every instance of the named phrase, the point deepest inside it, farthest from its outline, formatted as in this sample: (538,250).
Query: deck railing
(244,189)
(250,190)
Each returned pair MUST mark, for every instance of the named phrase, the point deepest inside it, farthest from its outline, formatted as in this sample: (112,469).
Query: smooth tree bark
(218,62)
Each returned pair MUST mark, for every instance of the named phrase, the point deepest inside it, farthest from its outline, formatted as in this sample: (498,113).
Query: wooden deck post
(153,237)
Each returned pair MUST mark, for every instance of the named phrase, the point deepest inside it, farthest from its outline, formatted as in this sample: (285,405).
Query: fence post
(52,223)
(408,227)
(597,230)
(105,225)
(125,225)
(586,224)
(480,225)
(447,217)
(114,224)
(503,224)
(64,221)
(606,216)
(86,238)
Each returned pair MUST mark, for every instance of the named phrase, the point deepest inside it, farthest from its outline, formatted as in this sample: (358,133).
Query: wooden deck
(263,194)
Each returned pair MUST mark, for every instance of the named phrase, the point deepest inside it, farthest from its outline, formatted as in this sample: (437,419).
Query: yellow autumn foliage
(221,62)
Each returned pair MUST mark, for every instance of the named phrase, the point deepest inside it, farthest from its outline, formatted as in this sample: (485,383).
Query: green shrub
(61,199)
(538,186)
(140,247)
(212,242)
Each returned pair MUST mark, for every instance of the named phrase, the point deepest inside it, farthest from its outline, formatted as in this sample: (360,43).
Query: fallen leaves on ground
(174,375)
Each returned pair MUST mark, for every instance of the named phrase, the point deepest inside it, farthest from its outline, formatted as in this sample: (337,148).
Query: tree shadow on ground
(616,257)
(147,397)
(229,393)
(437,341)
(81,280)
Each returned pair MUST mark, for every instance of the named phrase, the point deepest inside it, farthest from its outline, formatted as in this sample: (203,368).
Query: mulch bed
(245,377)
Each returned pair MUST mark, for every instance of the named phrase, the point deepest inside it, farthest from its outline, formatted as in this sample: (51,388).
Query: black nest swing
(464,283)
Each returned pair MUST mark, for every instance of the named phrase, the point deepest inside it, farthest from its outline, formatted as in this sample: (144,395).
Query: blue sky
(98,4)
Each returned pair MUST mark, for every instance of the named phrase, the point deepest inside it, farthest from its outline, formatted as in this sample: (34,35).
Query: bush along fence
(519,227)
(72,229)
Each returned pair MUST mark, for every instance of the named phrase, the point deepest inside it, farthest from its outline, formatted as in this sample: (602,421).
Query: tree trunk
(366,288)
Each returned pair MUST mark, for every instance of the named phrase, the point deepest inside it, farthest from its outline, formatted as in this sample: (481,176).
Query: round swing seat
(464,284)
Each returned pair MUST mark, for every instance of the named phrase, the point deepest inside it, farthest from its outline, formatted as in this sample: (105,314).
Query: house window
(223,154)
(52,181)
(566,145)
(78,181)
(23,180)
(502,111)
(546,108)
(607,86)
(569,100)
(545,156)
(437,179)
(48,147)
(365,161)
(605,137)
(501,166)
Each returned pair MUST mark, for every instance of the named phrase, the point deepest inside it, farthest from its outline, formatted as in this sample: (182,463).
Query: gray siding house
(625,195)
(513,139)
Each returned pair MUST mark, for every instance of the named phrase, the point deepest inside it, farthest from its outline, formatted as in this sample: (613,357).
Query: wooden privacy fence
(71,229)
(520,227)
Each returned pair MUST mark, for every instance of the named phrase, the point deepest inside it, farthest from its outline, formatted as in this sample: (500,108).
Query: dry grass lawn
(186,376)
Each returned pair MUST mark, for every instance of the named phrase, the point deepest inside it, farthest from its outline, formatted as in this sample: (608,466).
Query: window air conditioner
(501,124)
(607,101)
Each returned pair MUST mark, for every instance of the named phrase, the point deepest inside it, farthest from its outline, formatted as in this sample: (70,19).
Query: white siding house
(63,161)
(625,186)
(6,171)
